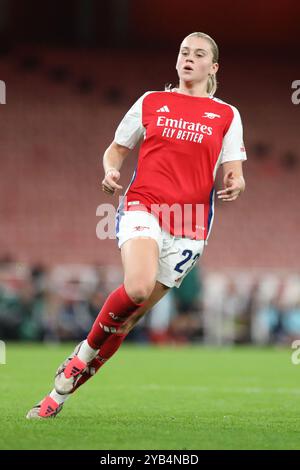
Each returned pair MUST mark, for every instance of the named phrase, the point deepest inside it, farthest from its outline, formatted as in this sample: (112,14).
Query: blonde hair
(212,83)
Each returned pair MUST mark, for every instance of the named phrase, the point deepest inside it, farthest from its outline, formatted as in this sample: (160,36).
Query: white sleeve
(233,145)
(131,128)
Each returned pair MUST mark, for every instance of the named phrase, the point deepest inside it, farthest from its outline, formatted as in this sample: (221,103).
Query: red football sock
(115,311)
(107,350)
(110,346)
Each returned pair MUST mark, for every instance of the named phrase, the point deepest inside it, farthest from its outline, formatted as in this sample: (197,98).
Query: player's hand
(109,183)
(233,187)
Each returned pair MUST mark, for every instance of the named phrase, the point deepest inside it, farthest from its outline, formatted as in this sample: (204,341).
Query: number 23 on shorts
(188,255)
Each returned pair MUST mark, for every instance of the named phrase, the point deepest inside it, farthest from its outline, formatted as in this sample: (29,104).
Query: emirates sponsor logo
(184,125)
(183,130)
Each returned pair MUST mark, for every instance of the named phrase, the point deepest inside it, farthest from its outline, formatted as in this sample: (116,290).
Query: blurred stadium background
(72,69)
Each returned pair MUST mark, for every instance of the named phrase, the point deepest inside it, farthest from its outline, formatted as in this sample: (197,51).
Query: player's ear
(215,67)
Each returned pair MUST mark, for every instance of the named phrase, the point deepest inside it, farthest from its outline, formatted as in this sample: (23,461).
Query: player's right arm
(113,159)
(129,132)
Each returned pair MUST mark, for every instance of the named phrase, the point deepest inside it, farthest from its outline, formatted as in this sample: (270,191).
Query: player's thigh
(140,263)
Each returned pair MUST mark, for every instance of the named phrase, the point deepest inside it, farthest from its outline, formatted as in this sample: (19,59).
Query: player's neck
(197,91)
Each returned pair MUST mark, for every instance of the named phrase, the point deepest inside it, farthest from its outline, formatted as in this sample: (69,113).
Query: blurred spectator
(289,160)
(187,324)
(158,320)
(216,308)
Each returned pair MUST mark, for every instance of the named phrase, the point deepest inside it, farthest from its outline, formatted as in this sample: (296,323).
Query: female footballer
(165,216)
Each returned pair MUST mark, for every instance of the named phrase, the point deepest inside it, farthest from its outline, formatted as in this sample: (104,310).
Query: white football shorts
(177,255)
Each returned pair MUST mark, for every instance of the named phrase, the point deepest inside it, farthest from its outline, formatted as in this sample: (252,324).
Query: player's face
(195,60)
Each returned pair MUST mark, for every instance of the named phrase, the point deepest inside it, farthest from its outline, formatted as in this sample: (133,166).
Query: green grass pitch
(149,397)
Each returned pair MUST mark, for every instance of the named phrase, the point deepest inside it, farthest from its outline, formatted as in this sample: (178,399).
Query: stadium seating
(61,113)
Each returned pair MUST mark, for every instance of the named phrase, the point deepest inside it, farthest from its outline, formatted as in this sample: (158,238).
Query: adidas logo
(49,410)
(75,370)
(164,109)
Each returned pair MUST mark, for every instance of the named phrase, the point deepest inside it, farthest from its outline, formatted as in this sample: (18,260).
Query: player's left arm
(233,155)
(233,180)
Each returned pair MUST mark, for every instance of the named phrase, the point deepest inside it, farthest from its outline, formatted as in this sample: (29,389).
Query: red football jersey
(185,139)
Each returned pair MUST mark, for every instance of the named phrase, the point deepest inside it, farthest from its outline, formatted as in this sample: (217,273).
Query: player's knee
(139,292)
